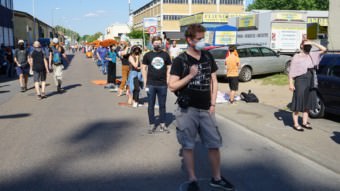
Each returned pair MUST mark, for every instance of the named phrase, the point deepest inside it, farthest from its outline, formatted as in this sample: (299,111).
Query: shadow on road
(285,117)
(336,137)
(13,116)
(4,91)
(66,88)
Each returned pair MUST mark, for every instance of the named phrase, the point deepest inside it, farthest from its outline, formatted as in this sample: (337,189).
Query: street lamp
(53,15)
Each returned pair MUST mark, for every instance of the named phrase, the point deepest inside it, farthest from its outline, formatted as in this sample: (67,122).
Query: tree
(290,5)
(91,38)
(136,34)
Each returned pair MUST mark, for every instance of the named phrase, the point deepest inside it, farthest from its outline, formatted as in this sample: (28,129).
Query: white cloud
(100,11)
(91,15)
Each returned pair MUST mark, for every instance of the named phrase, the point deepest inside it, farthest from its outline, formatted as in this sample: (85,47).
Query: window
(242,53)
(255,52)
(203,1)
(231,2)
(335,71)
(267,52)
(173,17)
(176,1)
(219,53)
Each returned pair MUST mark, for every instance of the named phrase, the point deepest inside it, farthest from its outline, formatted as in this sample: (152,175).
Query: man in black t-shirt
(193,74)
(155,70)
(21,59)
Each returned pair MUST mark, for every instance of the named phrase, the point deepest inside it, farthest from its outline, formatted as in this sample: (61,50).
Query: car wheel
(319,111)
(287,66)
(245,74)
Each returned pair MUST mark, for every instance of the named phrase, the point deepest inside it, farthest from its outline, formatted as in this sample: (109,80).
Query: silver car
(255,60)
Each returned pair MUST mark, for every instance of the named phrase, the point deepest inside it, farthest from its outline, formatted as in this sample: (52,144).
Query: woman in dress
(301,82)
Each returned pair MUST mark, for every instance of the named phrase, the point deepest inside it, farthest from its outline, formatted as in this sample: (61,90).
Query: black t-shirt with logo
(157,63)
(198,89)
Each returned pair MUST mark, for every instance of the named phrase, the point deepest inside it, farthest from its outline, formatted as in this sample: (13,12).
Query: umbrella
(108,42)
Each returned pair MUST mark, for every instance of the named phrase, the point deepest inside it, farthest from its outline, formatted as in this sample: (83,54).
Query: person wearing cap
(55,60)
(21,59)
(40,69)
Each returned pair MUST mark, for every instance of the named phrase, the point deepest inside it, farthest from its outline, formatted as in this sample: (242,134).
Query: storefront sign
(247,21)
(215,17)
(321,21)
(289,16)
(225,37)
(198,18)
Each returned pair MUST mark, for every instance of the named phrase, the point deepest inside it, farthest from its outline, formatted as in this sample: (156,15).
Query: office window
(203,1)
(1,35)
(231,2)
(3,3)
(176,1)
(173,17)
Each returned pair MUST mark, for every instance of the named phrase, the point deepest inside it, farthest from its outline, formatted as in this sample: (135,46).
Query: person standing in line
(302,81)
(10,62)
(174,50)
(40,69)
(124,54)
(102,53)
(232,67)
(22,61)
(135,76)
(111,69)
(155,69)
(55,60)
(193,75)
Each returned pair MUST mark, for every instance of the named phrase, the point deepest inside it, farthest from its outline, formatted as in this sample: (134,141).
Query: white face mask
(200,45)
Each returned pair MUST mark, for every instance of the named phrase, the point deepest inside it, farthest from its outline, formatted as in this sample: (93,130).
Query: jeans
(161,92)
(135,80)
(104,66)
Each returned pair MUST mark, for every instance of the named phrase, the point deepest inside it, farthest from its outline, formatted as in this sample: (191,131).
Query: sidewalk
(321,145)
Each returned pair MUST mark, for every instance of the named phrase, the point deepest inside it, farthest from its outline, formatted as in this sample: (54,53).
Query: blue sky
(82,16)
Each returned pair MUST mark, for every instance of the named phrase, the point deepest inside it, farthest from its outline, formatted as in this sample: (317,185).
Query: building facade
(169,12)
(334,27)
(6,22)
(29,29)
(115,31)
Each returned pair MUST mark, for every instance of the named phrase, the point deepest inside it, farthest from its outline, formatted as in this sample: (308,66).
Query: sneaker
(164,128)
(152,129)
(135,105)
(223,184)
(22,89)
(114,89)
(193,186)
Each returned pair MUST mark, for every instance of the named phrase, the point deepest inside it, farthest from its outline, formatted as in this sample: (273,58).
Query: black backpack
(249,97)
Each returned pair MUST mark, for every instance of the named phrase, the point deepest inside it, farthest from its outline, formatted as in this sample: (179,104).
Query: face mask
(157,47)
(200,45)
(307,48)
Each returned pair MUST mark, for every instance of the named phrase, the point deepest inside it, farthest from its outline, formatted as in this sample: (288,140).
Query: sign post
(150,25)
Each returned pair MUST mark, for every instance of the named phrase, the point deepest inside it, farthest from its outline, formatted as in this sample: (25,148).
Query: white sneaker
(135,105)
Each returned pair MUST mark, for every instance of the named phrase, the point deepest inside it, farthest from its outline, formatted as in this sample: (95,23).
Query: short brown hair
(156,38)
(193,29)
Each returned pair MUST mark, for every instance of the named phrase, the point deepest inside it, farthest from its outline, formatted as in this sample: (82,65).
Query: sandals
(297,128)
(307,126)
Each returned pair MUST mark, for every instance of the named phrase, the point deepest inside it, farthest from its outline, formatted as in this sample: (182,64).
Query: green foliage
(290,5)
(138,34)
(91,38)
(68,32)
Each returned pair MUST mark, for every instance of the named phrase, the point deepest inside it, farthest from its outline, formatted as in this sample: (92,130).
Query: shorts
(22,70)
(233,83)
(39,76)
(192,122)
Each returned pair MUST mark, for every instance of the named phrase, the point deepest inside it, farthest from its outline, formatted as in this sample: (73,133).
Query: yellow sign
(225,37)
(321,21)
(215,17)
(247,21)
(198,18)
(288,16)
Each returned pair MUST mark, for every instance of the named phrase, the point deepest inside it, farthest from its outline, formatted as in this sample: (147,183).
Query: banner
(225,37)
(151,21)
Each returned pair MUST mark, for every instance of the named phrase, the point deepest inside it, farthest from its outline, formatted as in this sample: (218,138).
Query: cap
(55,40)
(21,41)
(36,44)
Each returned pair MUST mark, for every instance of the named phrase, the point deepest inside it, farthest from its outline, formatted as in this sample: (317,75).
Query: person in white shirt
(174,50)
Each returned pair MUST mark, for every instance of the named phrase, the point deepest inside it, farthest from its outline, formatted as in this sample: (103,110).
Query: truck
(282,31)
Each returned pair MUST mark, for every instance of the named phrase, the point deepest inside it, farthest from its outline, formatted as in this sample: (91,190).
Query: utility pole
(333,28)
(33,39)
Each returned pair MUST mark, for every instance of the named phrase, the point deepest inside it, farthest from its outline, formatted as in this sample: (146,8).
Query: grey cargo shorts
(191,122)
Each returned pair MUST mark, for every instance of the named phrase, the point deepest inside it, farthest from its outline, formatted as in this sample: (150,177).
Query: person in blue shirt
(102,54)
(111,69)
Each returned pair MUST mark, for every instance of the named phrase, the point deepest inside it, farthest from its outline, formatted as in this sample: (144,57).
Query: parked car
(255,60)
(328,86)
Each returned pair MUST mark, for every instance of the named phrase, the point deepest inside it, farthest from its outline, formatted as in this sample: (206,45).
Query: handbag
(314,81)
(249,97)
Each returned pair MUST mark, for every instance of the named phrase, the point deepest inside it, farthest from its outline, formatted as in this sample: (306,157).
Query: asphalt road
(82,140)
